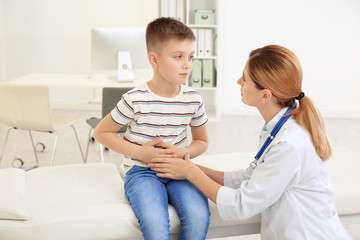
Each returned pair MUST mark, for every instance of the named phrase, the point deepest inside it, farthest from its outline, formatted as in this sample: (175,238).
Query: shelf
(209,36)
(202,26)
(212,57)
(205,88)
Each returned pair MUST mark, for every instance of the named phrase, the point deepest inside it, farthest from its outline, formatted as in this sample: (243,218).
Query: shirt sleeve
(268,182)
(199,118)
(123,111)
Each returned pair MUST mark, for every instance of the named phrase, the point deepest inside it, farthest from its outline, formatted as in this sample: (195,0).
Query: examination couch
(87,202)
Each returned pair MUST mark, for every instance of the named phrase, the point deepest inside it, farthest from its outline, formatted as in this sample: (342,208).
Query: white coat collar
(271,124)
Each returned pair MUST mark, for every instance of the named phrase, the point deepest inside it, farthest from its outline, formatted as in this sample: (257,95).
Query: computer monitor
(107,42)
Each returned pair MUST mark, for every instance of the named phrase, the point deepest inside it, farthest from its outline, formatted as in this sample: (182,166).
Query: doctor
(288,182)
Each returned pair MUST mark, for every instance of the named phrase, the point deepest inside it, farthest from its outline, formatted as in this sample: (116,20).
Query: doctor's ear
(267,95)
(153,60)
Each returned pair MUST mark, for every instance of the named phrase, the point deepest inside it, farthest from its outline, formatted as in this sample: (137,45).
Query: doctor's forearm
(217,176)
(205,184)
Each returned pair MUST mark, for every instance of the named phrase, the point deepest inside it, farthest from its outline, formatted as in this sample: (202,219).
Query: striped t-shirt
(150,116)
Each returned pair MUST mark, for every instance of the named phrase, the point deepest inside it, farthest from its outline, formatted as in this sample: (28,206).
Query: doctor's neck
(269,110)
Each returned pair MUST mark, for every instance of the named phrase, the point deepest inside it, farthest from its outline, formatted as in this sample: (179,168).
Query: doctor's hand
(151,150)
(174,168)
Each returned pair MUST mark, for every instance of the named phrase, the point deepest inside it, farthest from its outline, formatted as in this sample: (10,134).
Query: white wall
(54,35)
(324,34)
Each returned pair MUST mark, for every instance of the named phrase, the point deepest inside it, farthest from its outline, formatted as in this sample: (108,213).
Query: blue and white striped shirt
(150,116)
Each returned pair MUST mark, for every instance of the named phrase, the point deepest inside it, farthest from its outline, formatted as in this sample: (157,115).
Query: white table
(59,83)
(81,81)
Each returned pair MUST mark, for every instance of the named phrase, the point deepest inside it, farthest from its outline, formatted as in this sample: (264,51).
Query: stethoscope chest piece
(253,164)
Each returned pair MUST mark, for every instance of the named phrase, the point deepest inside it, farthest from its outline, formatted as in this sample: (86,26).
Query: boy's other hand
(179,152)
(151,150)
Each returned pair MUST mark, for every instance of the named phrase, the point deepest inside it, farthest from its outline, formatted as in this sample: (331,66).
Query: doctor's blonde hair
(278,69)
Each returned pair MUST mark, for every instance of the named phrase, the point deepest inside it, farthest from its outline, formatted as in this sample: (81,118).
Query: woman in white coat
(288,182)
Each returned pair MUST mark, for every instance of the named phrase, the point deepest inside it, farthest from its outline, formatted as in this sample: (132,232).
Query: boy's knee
(195,226)
(155,227)
(197,218)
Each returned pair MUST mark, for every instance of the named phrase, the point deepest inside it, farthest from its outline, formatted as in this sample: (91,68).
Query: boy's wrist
(136,153)
(183,152)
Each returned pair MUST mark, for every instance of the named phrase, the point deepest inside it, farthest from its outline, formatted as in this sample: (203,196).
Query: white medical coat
(290,187)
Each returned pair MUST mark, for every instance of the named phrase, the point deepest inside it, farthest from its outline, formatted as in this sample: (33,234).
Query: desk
(81,81)
(68,91)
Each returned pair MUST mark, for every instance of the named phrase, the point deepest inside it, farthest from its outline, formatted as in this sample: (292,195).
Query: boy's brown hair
(163,29)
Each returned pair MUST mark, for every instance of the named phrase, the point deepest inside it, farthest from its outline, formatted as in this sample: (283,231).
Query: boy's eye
(178,56)
(191,57)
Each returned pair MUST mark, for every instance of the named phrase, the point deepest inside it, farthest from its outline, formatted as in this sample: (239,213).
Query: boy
(158,113)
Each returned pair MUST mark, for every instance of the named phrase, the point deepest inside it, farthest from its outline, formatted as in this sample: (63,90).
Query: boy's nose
(187,64)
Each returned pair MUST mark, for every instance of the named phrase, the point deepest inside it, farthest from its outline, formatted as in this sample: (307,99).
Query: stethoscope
(271,137)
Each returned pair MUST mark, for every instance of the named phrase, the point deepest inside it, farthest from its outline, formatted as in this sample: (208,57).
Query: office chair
(27,107)
(110,97)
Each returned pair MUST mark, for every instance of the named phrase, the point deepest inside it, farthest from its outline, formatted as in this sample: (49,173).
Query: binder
(196,75)
(201,42)
(164,8)
(208,73)
(172,8)
(208,43)
(195,31)
(180,10)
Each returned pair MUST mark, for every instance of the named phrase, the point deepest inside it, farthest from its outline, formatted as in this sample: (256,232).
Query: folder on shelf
(208,43)
(195,31)
(172,8)
(201,42)
(208,73)
(164,8)
(196,75)
(180,13)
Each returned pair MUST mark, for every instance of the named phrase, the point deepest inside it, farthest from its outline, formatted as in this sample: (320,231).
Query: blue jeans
(149,196)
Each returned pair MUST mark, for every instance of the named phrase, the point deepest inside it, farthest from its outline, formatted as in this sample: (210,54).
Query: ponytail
(309,117)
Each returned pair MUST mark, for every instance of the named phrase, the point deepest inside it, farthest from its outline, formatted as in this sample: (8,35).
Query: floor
(231,134)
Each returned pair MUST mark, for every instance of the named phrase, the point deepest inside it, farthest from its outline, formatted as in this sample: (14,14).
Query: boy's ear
(267,95)
(153,60)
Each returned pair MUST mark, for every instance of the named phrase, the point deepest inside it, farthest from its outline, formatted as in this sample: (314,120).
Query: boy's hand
(151,150)
(179,152)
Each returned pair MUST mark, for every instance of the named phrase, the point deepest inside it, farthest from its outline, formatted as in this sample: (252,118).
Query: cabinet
(204,18)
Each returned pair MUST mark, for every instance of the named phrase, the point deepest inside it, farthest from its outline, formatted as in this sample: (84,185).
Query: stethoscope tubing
(272,135)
